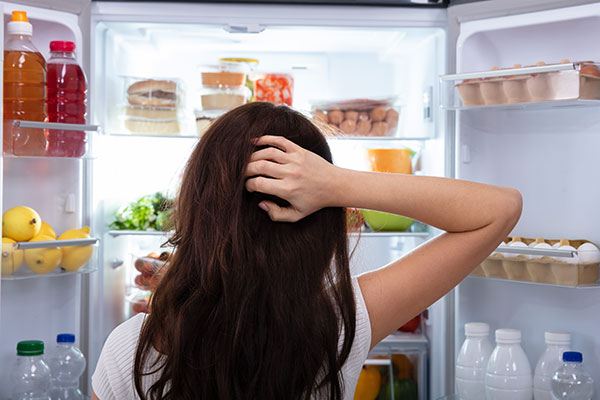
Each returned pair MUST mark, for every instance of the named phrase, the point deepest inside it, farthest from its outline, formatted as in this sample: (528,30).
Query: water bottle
(571,381)
(557,343)
(31,376)
(472,362)
(508,375)
(66,365)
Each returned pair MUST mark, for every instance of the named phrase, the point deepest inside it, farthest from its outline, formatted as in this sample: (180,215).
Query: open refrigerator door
(525,100)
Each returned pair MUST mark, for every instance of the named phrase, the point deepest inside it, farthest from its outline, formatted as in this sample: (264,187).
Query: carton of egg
(579,267)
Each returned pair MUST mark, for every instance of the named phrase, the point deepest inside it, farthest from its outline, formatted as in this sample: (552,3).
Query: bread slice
(151,113)
(152,127)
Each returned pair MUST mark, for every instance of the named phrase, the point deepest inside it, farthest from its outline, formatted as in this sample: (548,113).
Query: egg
(348,126)
(335,117)
(363,127)
(569,260)
(378,114)
(363,116)
(541,246)
(500,247)
(588,253)
(540,63)
(351,115)
(565,61)
(379,129)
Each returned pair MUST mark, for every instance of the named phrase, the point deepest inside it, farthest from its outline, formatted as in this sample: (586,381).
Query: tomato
(275,88)
(411,325)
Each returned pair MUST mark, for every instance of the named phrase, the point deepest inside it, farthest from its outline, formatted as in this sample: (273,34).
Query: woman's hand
(292,173)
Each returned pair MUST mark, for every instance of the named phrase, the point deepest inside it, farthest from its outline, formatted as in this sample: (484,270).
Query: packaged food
(224,98)
(148,265)
(204,119)
(226,74)
(390,160)
(251,64)
(151,113)
(360,117)
(275,88)
(153,93)
(152,127)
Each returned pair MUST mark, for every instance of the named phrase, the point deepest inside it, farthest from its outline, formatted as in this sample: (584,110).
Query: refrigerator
(414,57)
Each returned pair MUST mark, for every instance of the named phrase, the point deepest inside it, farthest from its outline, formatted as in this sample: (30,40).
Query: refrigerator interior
(327,62)
(42,306)
(548,154)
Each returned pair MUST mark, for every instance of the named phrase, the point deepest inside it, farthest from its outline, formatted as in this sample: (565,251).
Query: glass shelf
(406,339)
(116,233)
(378,138)
(55,126)
(25,273)
(540,105)
(423,235)
(55,243)
(510,281)
(150,135)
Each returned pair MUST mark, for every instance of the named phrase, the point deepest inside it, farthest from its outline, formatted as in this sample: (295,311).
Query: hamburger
(153,93)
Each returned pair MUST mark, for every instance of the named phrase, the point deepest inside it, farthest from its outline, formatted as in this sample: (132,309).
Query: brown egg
(362,128)
(540,63)
(391,117)
(565,61)
(379,129)
(335,117)
(378,114)
(363,116)
(348,126)
(320,116)
(351,115)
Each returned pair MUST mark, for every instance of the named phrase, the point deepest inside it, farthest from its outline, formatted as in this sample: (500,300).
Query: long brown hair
(248,308)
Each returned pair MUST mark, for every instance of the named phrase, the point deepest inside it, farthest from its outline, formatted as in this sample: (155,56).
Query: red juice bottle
(66,100)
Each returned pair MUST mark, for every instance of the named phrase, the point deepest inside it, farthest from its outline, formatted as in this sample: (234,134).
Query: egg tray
(546,269)
(546,86)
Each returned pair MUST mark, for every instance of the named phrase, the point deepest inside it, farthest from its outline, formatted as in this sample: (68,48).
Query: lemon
(21,223)
(42,261)
(11,258)
(75,257)
(46,230)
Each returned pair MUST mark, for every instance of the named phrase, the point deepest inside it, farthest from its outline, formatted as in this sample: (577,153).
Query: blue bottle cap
(572,356)
(65,338)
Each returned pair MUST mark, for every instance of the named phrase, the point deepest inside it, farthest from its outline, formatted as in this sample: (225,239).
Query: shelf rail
(43,244)
(537,252)
(511,71)
(55,126)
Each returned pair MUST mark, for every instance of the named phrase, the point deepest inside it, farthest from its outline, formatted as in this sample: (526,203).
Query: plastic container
(67,364)
(24,89)
(390,160)
(508,373)
(556,344)
(386,222)
(274,88)
(204,119)
(571,381)
(250,64)
(359,117)
(66,100)
(225,75)
(471,364)
(224,98)
(30,376)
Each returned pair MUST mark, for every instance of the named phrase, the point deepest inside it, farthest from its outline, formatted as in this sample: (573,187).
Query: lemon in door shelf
(75,257)
(43,260)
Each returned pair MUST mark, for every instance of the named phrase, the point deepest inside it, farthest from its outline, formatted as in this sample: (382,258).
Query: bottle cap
(62,45)
(65,338)
(572,356)
(30,348)
(477,329)
(560,338)
(508,336)
(19,24)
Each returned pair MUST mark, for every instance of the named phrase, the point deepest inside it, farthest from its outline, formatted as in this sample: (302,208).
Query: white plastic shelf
(117,233)
(511,281)
(150,135)
(55,126)
(25,273)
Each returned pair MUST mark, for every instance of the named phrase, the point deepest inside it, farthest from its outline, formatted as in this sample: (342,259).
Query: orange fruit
(403,365)
(368,385)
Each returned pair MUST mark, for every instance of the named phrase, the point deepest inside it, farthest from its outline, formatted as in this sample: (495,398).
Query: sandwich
(153,93)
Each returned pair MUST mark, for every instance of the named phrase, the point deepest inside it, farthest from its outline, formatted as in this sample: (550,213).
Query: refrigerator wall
(550,156)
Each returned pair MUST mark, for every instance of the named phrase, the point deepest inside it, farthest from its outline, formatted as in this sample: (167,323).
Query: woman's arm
(94,397)
(476,218)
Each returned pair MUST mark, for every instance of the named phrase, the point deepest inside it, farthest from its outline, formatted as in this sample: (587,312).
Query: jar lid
(62,45)
(558,338)
(65,338)
(236,59)
(477,329)
(508,336)
(30,348)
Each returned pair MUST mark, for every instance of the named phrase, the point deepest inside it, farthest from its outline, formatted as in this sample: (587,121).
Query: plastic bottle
(24,89)
(66,100)
(472,361)
(557,343)
(508,375)
(571,381)
(31,376)
(66,366)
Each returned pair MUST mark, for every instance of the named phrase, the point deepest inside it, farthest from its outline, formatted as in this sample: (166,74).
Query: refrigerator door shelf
(540,105)
(511,281)
(59,272)
(55,243)
(116,233)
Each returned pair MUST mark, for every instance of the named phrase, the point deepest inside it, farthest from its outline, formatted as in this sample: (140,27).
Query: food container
(226,74)
(274,88)
(390,160)
(224,98)
(359,117)
(582,269)
(151,92)
(149,127)
(204,120)
(382,221)
(250,64)
(539,83)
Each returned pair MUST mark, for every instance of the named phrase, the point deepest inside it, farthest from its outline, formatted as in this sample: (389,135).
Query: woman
(257,301)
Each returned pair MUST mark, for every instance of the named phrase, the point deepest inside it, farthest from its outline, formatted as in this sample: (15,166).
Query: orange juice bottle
(24,89)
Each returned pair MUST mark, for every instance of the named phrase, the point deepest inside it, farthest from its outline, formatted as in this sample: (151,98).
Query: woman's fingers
(270,153)
(280,214)
(265,185)
(277,141)
(266,168)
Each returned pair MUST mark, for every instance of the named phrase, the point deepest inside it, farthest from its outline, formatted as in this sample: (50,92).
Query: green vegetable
(404,389)
(151,212)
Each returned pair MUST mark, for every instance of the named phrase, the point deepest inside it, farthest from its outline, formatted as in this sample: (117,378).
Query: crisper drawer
(544,84)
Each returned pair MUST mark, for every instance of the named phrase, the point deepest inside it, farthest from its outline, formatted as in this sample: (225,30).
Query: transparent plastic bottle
(472,361)
(66,100)
(508,375)
(31,376)
(557,343)
(24,89)
(66,366)
(571,381)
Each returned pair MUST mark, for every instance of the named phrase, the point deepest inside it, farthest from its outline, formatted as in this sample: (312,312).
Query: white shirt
(113,378)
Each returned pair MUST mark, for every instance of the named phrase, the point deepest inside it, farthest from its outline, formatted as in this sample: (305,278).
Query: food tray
(540,83)
(563,267)
(358,117)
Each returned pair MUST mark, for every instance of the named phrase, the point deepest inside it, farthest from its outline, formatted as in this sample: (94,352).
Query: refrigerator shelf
(377,138)
(147,135)
(404,340)
(28,274)
(55,243)
(540,105)
(423,235)
(580,286)
(55,126)
(116,233)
